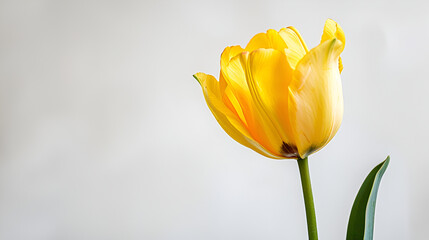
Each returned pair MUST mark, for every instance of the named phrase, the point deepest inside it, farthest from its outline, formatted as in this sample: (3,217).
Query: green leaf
(361,221)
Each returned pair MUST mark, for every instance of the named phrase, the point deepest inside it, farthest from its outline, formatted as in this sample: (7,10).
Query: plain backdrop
(104,134)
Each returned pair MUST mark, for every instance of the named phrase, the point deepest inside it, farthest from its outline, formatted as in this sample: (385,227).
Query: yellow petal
(269,75)
(234,90)
(296,47)
(231,101)
(227,93)
(237,91)
(316,100)
(333,30)
(269,40)
(228,53)
(226,119)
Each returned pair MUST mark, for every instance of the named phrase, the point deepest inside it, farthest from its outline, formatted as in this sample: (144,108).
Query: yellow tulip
(277,97)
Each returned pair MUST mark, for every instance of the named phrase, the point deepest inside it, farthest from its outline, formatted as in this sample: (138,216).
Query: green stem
(308,198)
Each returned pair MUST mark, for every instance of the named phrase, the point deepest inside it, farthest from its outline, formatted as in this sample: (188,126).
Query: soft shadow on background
(104,134)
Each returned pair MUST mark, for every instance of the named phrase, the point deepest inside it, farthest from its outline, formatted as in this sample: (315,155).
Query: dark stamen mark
(289,151)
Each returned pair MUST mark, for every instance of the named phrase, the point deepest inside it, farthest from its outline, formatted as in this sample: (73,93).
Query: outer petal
(269,40)
(233,87)
(228,121)
(316,100)
(296,47)
(333,30)
(228,53)
(259,127)
(227,92)
(268,77)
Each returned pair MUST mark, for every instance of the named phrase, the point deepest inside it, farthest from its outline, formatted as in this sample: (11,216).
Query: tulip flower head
(277,97)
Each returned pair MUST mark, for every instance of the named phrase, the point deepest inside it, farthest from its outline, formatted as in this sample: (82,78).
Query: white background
(104,134)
